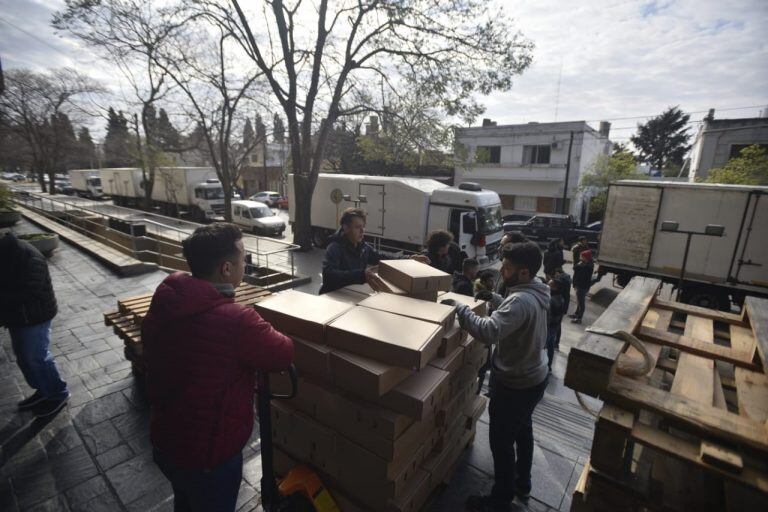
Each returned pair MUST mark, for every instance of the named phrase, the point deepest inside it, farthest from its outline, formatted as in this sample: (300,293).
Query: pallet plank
(700,312)
(756,310)
(590,363)
(751,387)
(695,376)
(698,347)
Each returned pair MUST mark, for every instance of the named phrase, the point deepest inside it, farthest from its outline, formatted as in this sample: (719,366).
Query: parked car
(544,227)
(64,187)
(14,176)
(282,203)
(257,218)
(517,217)
(268,198)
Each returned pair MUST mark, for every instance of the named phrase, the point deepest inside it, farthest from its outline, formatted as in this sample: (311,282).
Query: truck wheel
(623,279)
(319,237)
(706,298)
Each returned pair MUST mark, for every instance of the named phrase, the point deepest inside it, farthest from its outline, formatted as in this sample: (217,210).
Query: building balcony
(538,172)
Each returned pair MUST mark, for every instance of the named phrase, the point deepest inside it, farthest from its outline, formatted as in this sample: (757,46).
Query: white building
(526,163)
(719,140)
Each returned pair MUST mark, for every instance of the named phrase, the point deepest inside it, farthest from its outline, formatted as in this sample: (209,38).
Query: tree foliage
(621,165)
(663,139)
(749,168)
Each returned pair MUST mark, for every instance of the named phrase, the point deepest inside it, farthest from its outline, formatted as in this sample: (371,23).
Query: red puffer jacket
(202,351)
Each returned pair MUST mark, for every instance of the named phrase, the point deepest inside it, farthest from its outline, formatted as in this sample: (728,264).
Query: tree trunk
(302,225)
(41,179)
(51,181)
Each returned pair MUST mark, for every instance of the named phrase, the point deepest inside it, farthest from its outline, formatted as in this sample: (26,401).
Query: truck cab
(209,198)
(257,217)
(93,184)
(473,216)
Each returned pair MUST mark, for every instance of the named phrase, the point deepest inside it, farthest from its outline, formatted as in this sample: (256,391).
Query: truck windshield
(213,193)
(96,182)
(260,212)
(489,219)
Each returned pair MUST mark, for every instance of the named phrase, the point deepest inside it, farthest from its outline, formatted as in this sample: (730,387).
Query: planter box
(9,218)
(44,245)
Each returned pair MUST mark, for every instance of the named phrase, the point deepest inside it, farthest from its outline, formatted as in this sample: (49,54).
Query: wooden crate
(126,321)
(697,420)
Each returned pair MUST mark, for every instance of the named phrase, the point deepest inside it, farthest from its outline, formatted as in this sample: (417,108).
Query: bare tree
(35,106)
(130,33)
(314,55)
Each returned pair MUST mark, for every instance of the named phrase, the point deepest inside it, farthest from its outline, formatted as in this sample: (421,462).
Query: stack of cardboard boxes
(386,400)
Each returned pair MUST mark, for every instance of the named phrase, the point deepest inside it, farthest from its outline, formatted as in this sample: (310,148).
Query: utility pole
(567,176)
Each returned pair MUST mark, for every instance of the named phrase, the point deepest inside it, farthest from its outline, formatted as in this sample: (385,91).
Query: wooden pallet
(126,320)
(698,419)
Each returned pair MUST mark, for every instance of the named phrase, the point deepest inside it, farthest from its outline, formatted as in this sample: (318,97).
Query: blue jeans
(30,344)
(511,438)
(204,490)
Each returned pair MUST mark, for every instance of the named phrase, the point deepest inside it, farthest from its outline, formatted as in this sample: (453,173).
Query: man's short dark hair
(524,255)
(582,238)
(468,263)
(437,239)
(351,213)
(209,245)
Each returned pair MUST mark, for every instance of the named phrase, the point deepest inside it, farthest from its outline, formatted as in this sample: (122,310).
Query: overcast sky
(612,59)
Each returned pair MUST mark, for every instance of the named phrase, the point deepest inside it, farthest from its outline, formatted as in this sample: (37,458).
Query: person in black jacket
(554,318)
(27,306)
(582,280)
(553,257)
(463,282)
(349,259)
(441,257)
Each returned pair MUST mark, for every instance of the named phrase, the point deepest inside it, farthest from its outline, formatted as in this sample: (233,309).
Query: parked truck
(86,183)
(709,240)
(193,192)
(402,212)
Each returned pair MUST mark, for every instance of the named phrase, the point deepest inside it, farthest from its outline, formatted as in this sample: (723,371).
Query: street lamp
(670,226)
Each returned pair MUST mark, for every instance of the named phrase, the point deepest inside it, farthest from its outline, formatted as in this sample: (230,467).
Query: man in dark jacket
(553,257)
(349,259)
(554,318)
(582,280)
(576,250)
(27,307)
(202,352)
(464,281)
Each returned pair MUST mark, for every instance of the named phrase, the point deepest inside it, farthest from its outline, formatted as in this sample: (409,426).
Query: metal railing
(270,262)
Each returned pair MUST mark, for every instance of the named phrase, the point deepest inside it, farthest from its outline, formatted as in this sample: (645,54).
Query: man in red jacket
(202,352)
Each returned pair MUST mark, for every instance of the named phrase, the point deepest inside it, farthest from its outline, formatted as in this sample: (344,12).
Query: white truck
(86,183)
(402,212)
(194,192)
(709,240)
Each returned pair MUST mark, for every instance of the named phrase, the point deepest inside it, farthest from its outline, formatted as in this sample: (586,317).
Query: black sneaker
(523,496)
(50,407)
(485,504)
(31,401)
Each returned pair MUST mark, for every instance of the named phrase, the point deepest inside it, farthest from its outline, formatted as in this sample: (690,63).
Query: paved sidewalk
(95,455)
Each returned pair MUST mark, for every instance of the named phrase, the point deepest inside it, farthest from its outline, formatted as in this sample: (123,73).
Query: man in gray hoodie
(518,328)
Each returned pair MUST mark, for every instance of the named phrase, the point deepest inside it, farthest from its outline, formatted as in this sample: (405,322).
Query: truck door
(751,259)
(374,207)
(463,225)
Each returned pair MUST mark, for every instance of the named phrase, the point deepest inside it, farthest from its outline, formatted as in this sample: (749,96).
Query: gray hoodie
(519,327)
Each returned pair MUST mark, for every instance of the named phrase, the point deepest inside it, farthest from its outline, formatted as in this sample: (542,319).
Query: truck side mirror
(468,224)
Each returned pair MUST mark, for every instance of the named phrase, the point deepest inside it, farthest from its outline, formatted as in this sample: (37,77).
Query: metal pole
(567,176)
(268,485)
(682,269)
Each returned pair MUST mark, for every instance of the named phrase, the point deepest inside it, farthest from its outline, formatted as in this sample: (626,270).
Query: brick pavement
(96,456)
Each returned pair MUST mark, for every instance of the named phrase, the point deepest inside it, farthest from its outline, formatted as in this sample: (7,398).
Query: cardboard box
(354,459)
(452,338)
(420,394)
(475,353)
(314,443)
(426,296)
(280,384)
(301,314)
(312,358)
(440,314)
(451,362)
(392,339)
(365,377)
(346,295)
(366,289)
(479,307)
(414,496)
(333,407)
(414,277)
(473,410)
(440,463)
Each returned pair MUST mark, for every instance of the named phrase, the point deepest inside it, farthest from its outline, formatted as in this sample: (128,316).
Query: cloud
(635,59)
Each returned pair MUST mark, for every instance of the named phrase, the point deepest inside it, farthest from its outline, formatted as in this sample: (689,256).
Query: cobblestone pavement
(96,456)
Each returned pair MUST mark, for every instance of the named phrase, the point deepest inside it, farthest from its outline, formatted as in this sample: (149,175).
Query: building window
(736,149)
(507,201)
(536,154)
(545,204)
(525,203)
(488,155)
